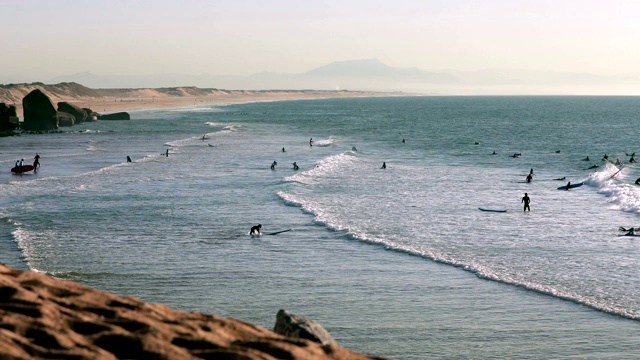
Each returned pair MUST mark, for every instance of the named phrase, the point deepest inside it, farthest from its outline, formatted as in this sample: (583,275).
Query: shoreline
(110,104)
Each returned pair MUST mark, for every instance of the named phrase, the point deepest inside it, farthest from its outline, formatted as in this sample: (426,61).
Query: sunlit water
(397,262)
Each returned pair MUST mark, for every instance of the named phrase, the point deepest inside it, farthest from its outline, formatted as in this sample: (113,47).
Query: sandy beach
(106,105)
(113,100)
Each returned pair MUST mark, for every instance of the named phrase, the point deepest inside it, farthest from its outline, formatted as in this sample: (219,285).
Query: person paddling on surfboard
(255,230)
(526,201)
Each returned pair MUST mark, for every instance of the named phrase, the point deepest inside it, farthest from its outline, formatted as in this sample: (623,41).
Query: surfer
(353,148)
(632,160)
(568,185)
(526,201)
(586,159)
(273,165)
(203,137)
(384,165)
(605,157)
(618,162)
(494,153)
(562,178)
(629,232)
(311,142)
(128,159)
(529,177)
(403,141)
(17,163)
(21,162)
(255,230)
(295,166)
(592,167)
(167,153)
(36,161)
(638,181)
(283,149)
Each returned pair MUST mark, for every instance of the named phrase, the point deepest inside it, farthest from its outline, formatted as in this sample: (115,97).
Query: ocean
(396,262)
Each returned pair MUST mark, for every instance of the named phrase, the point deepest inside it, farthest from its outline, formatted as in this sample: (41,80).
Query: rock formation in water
(115,116)
(39,113)
(79,114)
(8,117)
(45,318)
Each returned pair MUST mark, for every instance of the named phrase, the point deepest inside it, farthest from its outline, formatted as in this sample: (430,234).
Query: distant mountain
(374,69)
(372,74)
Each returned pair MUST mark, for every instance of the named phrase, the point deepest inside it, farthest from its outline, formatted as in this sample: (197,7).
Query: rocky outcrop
(65,119)
(39,113)
(298,327)
(91,115)
(115,116)
(45,318)
(79,114)
(8,118)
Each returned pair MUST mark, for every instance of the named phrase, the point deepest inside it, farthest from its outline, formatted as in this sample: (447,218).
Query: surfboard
(21,169)
(492,210)
(570,186)
(278,232)
(629,235)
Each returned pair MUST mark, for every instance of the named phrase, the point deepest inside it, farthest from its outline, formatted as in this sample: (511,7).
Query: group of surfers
(36,162)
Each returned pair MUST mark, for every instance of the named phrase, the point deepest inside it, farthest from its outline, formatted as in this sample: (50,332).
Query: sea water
(396,262)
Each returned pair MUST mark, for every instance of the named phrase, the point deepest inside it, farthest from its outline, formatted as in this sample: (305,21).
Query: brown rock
(79,114)
(298,327)
(44,318)
(39,113)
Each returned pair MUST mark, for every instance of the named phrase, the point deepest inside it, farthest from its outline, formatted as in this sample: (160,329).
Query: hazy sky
(239,37)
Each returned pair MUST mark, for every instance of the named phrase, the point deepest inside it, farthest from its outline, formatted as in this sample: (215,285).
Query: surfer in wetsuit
(384,165)
(36,161)
(638,181)
(282,149)
(586,159)
(255,230)
(128,159)
(295,166)
(311,142)
(529,177)
(273,165)
(568,185)
(526,201)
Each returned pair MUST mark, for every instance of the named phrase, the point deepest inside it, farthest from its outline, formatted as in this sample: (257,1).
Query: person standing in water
(167,153)
(526,201)
(295,166)
(384,165)
(311,142)
(36,161)
(128,159)
(282,149)
(255,230)
(273,165)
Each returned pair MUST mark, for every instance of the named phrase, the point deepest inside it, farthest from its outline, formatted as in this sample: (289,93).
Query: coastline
(114,100)
(146,103)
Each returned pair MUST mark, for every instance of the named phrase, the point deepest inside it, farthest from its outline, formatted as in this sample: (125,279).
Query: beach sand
(139,99)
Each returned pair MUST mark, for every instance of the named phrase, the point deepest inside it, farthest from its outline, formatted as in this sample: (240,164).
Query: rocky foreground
(45,318)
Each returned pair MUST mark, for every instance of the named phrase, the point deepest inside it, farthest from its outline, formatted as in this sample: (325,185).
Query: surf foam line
(476,269)
(622,196)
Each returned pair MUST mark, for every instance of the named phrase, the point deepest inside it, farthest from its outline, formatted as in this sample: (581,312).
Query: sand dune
(108,100)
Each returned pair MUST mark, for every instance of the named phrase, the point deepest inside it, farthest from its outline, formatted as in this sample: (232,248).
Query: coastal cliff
(43,318)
